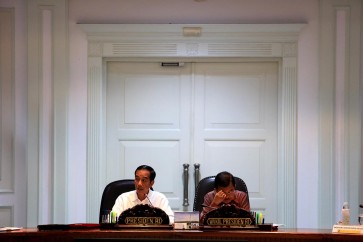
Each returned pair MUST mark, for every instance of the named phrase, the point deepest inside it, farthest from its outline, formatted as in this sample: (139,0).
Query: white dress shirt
(129,199)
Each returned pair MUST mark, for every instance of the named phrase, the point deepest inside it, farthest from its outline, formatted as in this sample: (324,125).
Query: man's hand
(223,197)
(218,198)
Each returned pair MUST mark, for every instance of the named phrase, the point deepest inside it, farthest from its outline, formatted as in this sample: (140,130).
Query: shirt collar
(135,198)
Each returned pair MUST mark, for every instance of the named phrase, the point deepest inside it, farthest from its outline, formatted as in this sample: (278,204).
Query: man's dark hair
(148,168)
(223,179)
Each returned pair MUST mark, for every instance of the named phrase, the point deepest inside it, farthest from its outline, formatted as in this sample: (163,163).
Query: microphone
(206,206)
(149,200)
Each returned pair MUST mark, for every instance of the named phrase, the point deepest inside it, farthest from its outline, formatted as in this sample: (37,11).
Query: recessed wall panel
(157,102)
(243,104)
(6,215)
(7,110)
(234,95)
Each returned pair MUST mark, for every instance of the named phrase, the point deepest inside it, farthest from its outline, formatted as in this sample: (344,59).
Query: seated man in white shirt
(144,180)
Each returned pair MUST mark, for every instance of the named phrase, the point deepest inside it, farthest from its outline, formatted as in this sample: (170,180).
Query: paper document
(4,229)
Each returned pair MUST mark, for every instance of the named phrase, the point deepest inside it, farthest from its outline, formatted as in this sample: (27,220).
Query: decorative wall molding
(289,49)
(340,104)
(94,137)
(95,49)
(251,40)
(47,111)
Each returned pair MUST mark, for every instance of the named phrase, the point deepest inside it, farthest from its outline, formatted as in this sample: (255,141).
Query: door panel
(220,115)
(236,126)
(147,123)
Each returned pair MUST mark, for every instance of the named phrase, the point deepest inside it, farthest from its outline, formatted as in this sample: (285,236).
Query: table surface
(33,234)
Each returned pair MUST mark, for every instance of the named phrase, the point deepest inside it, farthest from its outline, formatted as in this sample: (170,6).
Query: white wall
(209,11)
(171,11)
(308,83)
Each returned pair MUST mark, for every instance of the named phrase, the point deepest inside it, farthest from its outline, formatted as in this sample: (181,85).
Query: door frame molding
(195,41)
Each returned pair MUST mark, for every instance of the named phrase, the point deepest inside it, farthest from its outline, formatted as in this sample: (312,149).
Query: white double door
(222,116)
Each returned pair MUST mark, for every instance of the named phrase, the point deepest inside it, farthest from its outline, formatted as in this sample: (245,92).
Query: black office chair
(112,191)
(207,184)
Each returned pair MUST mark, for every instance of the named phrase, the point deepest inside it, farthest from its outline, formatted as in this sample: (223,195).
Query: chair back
(112,191)
(207,184)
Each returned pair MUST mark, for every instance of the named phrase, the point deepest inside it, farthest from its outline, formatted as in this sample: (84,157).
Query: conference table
(155,234)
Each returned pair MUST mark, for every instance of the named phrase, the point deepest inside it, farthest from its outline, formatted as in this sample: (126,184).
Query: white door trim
(171,40)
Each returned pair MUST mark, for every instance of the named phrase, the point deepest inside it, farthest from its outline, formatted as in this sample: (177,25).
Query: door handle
(185,180)
(196,175)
